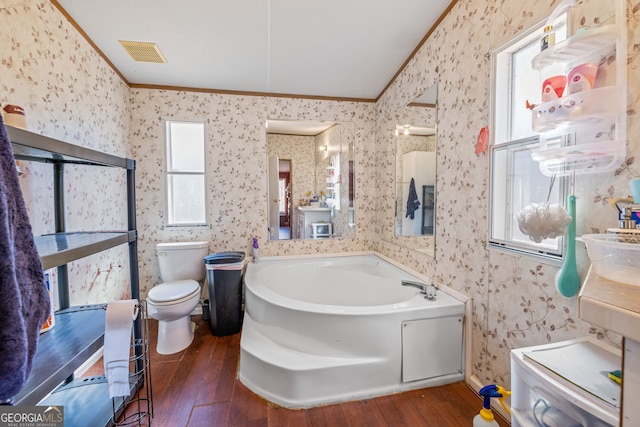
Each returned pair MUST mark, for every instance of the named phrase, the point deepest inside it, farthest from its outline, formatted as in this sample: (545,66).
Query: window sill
(555,261)
(169,226)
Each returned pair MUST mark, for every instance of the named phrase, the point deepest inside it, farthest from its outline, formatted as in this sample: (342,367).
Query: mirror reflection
(415,180)
(310,179)
(411,130)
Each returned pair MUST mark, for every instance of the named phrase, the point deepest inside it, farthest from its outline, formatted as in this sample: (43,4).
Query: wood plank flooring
(198,387)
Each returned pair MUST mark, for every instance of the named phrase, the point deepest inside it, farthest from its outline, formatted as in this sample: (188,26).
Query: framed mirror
(415,180)
(412,129)
(310,179)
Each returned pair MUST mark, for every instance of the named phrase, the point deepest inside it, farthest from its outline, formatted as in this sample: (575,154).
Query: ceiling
(345,49)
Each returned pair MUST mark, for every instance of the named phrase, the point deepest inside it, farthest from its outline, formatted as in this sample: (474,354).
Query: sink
(615,256)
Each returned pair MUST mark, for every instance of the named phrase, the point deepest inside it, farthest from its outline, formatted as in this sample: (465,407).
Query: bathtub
(329,329)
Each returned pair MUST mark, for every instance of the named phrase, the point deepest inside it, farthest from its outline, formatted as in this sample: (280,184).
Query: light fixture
(402,128)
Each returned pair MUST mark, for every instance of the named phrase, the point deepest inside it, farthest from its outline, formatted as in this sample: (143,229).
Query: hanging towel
(24,301)
(117,345)
(412,201)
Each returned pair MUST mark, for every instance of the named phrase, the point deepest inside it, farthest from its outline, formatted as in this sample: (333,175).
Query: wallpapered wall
(515,300)
(236,164)
(70,93)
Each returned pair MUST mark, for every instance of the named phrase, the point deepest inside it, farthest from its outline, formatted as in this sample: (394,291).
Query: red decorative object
(483,140)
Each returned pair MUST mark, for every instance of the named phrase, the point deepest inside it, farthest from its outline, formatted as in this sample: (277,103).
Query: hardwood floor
(198,387)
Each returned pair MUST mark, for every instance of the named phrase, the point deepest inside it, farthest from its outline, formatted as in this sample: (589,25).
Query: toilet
(171,302)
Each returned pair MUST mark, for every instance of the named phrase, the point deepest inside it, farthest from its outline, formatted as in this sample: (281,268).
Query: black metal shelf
(86,402)
(61,248)
(35,147)
(78,333)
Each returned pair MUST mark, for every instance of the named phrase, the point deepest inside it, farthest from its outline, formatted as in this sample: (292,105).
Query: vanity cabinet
(615,307)
(314,223)
(79,330)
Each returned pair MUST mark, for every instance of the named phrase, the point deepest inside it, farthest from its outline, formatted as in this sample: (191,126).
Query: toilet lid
(171,291)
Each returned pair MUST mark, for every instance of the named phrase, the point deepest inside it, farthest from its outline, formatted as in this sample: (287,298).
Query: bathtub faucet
(429,290)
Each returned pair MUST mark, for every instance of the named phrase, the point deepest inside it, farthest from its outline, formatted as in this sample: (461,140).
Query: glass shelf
(582,45)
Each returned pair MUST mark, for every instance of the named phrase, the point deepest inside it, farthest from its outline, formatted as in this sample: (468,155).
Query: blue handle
(487,392)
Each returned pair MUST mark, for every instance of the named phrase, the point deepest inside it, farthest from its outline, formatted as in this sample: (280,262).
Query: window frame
(502,56)
(168,173)
(561,185)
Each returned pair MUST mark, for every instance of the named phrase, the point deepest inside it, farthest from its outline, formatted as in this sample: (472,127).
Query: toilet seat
(170,293)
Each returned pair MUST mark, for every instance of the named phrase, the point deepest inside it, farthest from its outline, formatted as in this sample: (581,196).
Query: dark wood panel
(210,415)
(198,387)
(364,413)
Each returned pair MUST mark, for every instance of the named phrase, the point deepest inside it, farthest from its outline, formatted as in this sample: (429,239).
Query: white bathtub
(330,329)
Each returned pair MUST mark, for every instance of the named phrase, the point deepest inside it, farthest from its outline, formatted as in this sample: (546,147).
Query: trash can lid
(228,257)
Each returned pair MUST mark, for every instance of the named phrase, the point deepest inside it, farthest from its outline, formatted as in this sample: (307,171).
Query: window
(185,163)
(516,180)
(337,181)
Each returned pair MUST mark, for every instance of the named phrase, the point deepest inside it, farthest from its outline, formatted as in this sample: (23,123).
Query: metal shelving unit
(78,331)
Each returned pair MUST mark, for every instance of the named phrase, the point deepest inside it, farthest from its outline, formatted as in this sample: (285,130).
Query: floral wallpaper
(515,302)
(70,93)
(236,164)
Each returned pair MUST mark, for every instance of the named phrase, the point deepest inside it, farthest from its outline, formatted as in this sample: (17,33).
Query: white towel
(117,345)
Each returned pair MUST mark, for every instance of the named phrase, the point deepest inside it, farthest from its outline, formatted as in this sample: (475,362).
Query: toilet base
(175,335)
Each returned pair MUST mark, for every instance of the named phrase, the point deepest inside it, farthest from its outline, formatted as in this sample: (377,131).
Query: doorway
(284,197)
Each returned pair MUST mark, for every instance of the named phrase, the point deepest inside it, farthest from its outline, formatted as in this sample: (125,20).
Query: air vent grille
(143,51)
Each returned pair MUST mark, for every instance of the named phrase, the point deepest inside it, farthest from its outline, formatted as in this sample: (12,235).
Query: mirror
(412,131)
(310,179)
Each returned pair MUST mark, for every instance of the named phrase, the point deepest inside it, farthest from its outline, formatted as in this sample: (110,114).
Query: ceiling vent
(143,51)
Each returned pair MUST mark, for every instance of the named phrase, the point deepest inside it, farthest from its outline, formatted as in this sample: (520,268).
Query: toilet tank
(182,260)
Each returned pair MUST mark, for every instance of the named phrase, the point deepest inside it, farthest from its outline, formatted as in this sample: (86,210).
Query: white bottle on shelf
(548,38)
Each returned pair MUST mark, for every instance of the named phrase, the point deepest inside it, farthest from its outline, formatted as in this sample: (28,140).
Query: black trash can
(224,274)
